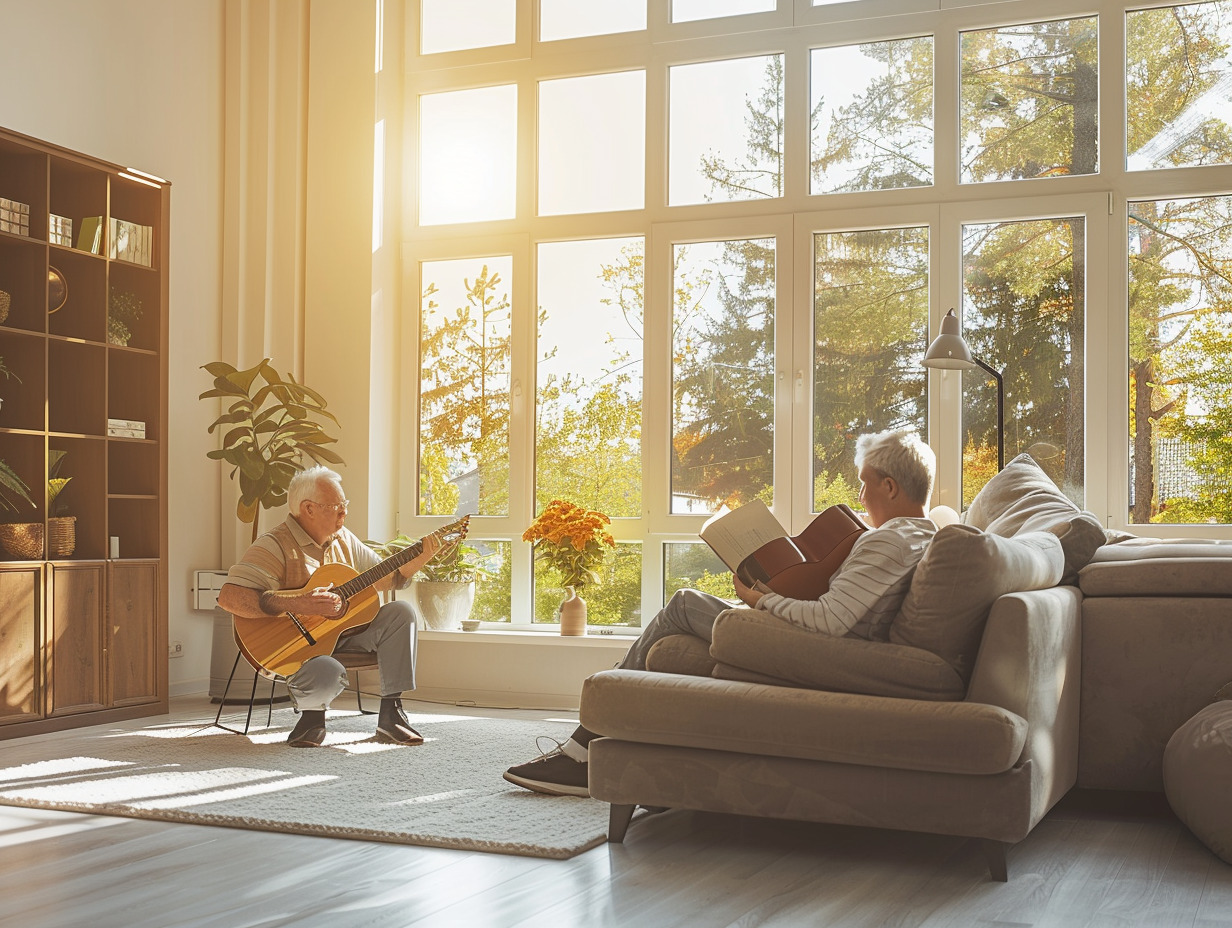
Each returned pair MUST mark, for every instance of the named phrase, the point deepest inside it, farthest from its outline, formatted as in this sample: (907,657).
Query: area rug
(447,792)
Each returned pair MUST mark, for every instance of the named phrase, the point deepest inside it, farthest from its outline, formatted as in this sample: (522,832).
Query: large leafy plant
(267,431)
(10,481)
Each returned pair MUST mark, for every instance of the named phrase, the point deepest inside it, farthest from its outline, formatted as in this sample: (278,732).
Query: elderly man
(269,581)
(896,471)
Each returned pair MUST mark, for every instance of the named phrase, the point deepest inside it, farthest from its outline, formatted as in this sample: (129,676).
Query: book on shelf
(130,241)
(90,235)
(125,428)
(59,230)
(14,217)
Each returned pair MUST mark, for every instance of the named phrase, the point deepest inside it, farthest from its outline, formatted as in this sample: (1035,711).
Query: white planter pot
(442,604)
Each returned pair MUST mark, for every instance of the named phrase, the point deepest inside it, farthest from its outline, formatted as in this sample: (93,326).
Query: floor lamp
(950,352)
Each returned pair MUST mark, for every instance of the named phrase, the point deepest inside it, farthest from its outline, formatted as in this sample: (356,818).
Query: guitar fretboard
(361,582)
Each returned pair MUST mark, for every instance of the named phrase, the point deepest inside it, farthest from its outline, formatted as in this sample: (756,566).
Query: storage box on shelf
(82,631)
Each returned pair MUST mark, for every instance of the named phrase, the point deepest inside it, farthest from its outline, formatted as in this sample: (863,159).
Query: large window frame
(793,29)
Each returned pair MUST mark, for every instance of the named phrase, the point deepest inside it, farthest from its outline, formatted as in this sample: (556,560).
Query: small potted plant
(571,540)
(444,588)
(20,539)
(61,527)
(123,311)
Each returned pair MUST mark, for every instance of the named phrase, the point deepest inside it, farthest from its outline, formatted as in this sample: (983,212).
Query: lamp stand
(1000,411)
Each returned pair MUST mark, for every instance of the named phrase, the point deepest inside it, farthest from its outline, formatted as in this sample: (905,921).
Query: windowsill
(511,636)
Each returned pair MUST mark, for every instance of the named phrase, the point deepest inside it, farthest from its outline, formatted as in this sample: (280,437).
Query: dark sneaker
(554,773)
(392,726)
(309,731)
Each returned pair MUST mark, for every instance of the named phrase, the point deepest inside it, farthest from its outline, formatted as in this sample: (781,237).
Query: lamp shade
(948,350)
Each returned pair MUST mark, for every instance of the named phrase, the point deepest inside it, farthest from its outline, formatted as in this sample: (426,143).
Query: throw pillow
(960,576)
(1022,498)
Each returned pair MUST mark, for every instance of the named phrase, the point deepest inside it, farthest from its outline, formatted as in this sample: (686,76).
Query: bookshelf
(83,620)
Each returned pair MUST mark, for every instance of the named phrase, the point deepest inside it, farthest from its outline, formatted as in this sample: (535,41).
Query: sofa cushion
(752,644)
(1022,498)
(955,584)
(1197,770)
(748,718)
(1154,567)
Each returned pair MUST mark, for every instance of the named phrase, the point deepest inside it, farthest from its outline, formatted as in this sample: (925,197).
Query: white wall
(140,83)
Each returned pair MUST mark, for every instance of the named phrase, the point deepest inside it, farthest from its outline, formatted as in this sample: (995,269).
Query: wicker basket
(61,536)
(23,540)
(5,299)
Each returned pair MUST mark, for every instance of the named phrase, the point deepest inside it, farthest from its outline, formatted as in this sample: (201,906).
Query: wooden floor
(1097,860)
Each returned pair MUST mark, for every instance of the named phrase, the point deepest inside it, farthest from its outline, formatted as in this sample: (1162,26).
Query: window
(674,256)
(454,25)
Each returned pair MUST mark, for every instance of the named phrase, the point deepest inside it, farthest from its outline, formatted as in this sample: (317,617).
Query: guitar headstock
(455,532)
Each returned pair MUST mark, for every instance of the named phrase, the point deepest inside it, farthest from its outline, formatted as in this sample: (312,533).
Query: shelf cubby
(144,284)
(23,178)
(132,389)
(25,454)
(132,467)
(84,314)
(77,191)
(84,463)
(23,276)
(134,521)
(22,398)
(76,402)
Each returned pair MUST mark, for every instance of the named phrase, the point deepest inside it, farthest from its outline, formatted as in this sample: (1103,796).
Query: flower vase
(572,614)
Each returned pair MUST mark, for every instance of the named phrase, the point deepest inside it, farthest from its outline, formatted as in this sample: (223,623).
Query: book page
(737,533)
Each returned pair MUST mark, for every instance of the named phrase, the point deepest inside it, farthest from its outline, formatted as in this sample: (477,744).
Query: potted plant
(444,588)
(267,431)
(571,540)
(61,527)
(7,374)
(123,311)
(20,539)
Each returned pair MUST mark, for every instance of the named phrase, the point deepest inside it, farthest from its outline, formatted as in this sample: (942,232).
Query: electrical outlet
(175,649)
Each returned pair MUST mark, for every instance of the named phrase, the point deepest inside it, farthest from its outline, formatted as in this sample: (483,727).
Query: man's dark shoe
(392,726)
(309,731)
(554,773)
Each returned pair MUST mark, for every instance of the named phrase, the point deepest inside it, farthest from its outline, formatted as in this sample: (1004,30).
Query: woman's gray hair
(303,485)
(900,454)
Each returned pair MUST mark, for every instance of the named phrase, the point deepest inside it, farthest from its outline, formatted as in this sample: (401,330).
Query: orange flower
(571,539)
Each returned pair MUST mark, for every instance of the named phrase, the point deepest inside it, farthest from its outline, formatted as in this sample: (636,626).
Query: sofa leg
(618,822)
(994,854)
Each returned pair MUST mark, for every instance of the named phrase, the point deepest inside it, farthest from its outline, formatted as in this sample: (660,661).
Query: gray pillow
(1022,498)
(960,576)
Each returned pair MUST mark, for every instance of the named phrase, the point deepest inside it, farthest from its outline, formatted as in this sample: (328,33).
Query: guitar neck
(361,582)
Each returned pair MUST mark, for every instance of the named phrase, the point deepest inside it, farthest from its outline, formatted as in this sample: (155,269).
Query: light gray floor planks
(1097,860)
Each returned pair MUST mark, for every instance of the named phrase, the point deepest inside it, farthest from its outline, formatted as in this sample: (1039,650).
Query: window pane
(452,25)
(492,592)
(725,130)
(870,324)
(589,396)
(592,143)
(568,19)
(1030,101)
(684,11)
(615,600)
(468,155)
(1023,314)
(695,566)
(1178,83)
(722,374)
(464,386)
(872,116)
(1180,360)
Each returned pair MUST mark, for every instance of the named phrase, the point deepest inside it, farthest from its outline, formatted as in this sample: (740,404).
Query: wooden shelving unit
(83,633)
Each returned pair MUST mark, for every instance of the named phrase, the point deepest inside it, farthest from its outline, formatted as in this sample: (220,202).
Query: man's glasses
(334,507)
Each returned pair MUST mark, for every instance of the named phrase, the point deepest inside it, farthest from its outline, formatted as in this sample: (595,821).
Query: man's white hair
(900,454)
(304,483)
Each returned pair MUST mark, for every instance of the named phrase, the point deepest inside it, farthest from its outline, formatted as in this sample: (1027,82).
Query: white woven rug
(447,792)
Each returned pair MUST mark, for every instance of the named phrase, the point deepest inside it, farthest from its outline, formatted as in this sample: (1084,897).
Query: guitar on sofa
(752,543)
(281,644)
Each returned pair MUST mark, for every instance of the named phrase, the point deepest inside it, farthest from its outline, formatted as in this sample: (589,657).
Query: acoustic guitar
(800,566)
(280,644)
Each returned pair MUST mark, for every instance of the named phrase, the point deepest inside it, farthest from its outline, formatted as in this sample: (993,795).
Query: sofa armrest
(755,640)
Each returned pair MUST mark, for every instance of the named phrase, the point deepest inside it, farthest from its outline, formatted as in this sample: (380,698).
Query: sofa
(1031,655)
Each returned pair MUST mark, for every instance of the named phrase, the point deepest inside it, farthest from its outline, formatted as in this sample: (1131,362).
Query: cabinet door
(75,638)
(132,605)
(21,611)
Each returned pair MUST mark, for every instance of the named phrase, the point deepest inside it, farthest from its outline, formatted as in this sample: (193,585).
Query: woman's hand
(749,596)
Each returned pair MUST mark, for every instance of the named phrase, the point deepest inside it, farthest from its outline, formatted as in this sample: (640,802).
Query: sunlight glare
(468,155)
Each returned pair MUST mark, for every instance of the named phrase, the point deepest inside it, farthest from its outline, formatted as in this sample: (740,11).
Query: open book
(756,548)
(734,534)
